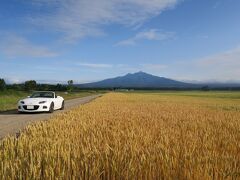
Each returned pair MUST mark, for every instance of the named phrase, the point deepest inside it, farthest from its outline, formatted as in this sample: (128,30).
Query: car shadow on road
(15,112)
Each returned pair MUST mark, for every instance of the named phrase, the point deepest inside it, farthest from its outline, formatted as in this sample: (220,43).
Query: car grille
(35,107)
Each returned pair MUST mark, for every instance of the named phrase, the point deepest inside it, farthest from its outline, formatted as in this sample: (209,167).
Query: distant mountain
(138,80)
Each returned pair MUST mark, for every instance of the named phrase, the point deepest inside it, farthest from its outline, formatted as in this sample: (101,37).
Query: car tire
(62,107)
(51,108)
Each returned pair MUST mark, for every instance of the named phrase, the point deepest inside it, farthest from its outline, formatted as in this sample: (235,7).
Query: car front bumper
(36,108)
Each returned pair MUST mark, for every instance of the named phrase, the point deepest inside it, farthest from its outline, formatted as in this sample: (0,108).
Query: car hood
(35,100)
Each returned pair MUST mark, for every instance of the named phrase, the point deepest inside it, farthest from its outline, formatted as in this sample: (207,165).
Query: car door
(57,102)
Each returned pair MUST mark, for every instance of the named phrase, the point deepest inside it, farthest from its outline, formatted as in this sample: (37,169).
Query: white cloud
(80,18)
(230,58)
(151,35)
(13,80)
(222,67)
(90,65)
(14,46)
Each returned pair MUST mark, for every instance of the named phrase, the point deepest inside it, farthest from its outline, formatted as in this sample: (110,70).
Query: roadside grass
(73,95)
(9,98)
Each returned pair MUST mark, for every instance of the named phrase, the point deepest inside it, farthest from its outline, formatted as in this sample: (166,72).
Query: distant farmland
(132,136)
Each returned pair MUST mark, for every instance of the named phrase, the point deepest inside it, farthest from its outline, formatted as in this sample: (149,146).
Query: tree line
(33,85)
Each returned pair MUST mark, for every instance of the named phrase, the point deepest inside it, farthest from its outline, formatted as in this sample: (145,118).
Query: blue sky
(89,40)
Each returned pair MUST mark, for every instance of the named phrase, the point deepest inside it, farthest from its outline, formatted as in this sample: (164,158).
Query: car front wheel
(51,108)
(62,107)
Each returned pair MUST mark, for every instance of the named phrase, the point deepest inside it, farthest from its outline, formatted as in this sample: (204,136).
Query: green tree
(205,88)
(70,85)
(60,87)
(2,84)
(17,87)
(30,85)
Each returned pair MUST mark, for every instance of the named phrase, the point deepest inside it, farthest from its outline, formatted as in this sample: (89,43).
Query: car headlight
(22,102)
(42,102)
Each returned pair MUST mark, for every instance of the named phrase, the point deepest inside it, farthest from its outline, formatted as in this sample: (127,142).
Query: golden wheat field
(130,136)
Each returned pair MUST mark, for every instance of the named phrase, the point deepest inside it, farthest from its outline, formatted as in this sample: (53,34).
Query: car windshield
(42,95)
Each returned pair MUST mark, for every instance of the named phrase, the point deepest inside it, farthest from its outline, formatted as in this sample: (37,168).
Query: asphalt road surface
(11,122)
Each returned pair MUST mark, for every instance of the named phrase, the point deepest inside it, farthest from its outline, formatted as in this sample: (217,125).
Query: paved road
(11,122)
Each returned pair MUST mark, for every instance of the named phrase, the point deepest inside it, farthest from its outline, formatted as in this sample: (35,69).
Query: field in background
(195,93)
(132,136)
(9,99)
(221,100)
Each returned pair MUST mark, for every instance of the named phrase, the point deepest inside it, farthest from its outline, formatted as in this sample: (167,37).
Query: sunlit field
(132,136)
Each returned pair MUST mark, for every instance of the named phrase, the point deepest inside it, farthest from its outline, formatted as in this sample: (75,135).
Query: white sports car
(41,101)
